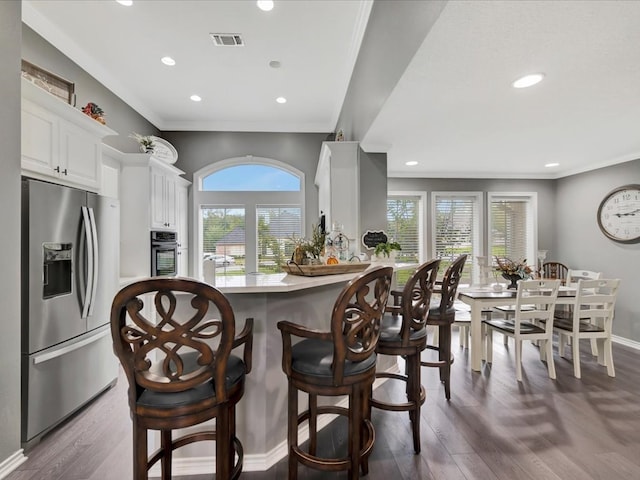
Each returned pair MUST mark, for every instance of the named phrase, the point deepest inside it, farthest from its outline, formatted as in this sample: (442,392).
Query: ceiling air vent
(227,39)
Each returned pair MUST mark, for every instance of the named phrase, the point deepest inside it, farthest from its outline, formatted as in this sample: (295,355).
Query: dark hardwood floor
(493,428)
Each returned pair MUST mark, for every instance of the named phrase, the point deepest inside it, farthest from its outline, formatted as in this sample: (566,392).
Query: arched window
(249,210)
(251,178)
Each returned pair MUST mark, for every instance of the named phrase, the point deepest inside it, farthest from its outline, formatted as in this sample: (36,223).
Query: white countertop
(276,282)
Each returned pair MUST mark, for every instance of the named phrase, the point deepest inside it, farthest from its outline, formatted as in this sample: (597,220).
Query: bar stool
(443,317)
(339,362)
(180,368)
(404,333)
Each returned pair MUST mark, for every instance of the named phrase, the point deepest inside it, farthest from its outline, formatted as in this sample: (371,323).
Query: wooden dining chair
(404,333)
(443,316)
(174,338)
(338,362)
(534,324)
(592,319)
(573,276)
(555,271)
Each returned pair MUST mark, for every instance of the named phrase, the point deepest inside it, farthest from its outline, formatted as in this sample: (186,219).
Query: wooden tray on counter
(318,270)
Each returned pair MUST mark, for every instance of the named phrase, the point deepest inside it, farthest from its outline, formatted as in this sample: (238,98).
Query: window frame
(422,223)
(478,246)
(531,199)
(249,200)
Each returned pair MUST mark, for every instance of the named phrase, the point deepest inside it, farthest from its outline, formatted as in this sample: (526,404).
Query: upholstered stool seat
(443,316)
(335,363)
(180,369)
(403,333)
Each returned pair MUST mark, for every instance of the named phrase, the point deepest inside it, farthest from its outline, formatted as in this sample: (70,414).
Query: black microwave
(164,253)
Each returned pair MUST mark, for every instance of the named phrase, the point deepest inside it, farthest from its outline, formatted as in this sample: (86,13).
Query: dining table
(486,298)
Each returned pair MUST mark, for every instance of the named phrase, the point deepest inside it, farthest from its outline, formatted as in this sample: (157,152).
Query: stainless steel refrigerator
(70,269)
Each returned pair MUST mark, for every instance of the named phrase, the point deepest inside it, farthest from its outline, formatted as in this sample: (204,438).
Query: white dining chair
(592,319)
(528,324)
(573,276)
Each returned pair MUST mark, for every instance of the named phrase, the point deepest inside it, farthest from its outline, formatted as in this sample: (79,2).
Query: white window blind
(223,233)
(512,227)
(457,229)
(277,226)
(403,226)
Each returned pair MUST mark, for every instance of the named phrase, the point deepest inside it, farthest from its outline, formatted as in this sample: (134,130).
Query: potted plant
(147,145)
(386,251)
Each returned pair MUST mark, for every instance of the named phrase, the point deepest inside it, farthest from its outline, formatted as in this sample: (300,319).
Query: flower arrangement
(509,267)
(94,111)
(146,142)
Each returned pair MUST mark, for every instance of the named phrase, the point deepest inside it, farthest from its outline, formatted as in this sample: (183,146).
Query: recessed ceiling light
(265,5)
(126,3)
(195,98)
(274,64)
(549,165)
(281,100)
(168,61)
(411,163)
(528,80)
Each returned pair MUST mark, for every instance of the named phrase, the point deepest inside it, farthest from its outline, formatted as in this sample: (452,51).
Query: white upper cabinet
(60,143)
(164,202)
(150,190)
(338,182)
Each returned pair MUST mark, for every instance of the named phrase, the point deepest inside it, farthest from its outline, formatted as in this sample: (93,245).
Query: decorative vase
(513,279)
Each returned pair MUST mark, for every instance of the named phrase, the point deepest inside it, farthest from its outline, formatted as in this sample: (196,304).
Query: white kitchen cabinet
(60,143)
(149,200)
(163,199)
(182,211)
(337,179)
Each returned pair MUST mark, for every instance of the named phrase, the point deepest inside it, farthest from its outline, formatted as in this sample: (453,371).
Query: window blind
(457,230)
(277,227)
(223,233)
(512,228)
(403,226)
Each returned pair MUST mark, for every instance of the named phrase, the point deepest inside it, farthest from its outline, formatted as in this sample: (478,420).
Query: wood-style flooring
(493,428)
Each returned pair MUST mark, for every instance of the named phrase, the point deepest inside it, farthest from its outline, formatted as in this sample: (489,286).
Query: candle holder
(542,255)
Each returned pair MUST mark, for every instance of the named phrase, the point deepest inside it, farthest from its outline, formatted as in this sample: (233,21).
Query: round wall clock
(619,214)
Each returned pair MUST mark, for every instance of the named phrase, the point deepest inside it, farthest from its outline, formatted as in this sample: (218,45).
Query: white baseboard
(11,463)
(256,462)
(626,342)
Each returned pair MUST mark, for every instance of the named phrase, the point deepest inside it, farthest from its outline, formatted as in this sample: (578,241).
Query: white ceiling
(453,110)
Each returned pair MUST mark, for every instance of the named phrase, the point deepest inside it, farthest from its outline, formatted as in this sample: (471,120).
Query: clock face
(619,214)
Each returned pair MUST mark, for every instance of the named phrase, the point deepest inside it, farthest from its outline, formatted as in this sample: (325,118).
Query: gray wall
(582,245)
(119,116)
(10,33)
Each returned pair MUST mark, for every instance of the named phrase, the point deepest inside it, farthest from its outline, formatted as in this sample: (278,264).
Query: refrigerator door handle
(93,260)
(69,348)
(88,232)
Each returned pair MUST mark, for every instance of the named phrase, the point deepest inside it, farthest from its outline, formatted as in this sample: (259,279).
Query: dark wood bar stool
(338,362)
(443,317)
(404,333)
(180,368)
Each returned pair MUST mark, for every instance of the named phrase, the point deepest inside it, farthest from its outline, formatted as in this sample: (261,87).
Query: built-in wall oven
(164,253)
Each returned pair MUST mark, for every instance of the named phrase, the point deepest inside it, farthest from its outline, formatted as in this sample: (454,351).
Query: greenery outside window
(513,227)
(457,229)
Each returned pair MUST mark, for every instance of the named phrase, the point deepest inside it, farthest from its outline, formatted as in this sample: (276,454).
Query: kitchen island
(262,413)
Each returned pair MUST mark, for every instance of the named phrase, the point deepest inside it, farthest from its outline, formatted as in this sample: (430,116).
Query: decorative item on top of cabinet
(50,82)
(60,144)
(95,112)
